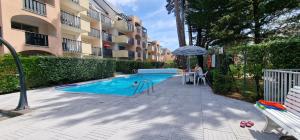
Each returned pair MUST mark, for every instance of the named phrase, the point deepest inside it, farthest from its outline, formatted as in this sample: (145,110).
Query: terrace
(172,111)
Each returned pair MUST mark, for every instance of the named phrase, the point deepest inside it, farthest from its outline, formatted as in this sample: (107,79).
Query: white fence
(277,84)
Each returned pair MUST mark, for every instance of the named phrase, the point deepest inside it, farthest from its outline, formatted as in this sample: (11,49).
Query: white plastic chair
(202,77)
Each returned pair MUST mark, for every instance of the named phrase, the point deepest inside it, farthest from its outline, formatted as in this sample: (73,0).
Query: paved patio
(172,112)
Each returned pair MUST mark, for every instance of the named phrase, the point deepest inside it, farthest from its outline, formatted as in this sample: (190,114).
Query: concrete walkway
(173,112)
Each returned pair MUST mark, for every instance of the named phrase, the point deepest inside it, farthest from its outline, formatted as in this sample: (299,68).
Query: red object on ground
(250,124)
(243,124)
(274,104)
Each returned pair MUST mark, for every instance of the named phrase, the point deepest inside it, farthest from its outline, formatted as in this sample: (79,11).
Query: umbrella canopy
(190,51)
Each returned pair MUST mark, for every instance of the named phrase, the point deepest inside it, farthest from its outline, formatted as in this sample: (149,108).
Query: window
(21,26)
(122,48)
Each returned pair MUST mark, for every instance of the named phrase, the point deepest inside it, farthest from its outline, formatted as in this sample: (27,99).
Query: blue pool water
(122,86)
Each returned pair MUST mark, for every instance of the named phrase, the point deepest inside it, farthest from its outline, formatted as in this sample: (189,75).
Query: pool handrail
(141,85)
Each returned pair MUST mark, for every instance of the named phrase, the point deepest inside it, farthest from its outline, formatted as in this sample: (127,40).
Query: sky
(160,25)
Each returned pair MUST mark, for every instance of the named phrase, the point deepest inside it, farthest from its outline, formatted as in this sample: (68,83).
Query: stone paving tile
(218,135)
(172,112)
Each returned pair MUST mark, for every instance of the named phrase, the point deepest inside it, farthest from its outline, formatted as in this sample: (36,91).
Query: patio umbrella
(189,51)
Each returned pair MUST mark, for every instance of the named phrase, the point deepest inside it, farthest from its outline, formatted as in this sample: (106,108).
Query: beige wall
(14,10)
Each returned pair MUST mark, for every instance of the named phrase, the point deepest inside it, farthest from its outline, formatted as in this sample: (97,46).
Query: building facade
(73,28)
(154,51)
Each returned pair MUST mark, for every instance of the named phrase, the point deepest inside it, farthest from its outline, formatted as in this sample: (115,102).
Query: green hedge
(128,67)
(47,71)
(285,54)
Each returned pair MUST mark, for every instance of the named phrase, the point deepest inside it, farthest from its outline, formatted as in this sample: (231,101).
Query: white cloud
(128,3)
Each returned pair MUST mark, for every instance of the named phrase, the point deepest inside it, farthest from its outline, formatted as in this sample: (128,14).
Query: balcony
(131,41)
(107,53)
(138,30)
(95,33)
(86,48)
(107,37)
(122,40)
(124,26)
(73,23)
(35,6)
(96,51)
(93,14)
(131,55)
(72,46)
(70,20)
(144,32)
(138,42)
(36,39)
(120,54)
(144,45)
(106,22)
(75,5)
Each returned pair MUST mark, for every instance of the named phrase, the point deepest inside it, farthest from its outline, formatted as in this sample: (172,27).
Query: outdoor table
(188,74)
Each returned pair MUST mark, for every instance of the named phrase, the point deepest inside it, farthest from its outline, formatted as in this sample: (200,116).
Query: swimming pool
(122,86)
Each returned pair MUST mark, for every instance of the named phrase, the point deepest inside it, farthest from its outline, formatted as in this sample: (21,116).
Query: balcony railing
(107,53)
(138,30)
(106,20)
(70,19)
(106,37)
(145,55)
(131,41)
(139,54)
(95,33)
(144,32)
(73,46)
(144,45)
(35,6)
(75,1)
(277,84)
(96,51)
(138,42)
(36,39)
(131,54)
(93,14)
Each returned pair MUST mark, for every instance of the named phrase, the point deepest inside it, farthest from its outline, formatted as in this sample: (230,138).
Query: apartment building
(166,55)
(31,26)
(154,51)
(72,28)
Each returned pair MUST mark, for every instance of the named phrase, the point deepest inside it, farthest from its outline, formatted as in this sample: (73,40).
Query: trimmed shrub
(221,84)
(285,54)
(47,71)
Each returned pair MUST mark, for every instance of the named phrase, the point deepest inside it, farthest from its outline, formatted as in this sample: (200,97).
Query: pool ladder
(143,83)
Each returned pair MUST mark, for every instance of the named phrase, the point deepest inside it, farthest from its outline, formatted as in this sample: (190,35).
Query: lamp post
(23,103)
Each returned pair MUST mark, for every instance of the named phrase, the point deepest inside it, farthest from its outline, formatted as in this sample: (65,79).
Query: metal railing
(106,20)
(145,82)
(107,53)
(35,6)
(36,39)
(75,1)
(96,51)
(93,14)
(95,33)
(277,84)
(73,46)
(70,19)
(131,41)
(131,54)
(138,42)
(107,37)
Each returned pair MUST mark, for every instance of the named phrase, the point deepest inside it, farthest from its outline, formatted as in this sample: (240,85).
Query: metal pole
(23,103)
(245,80)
